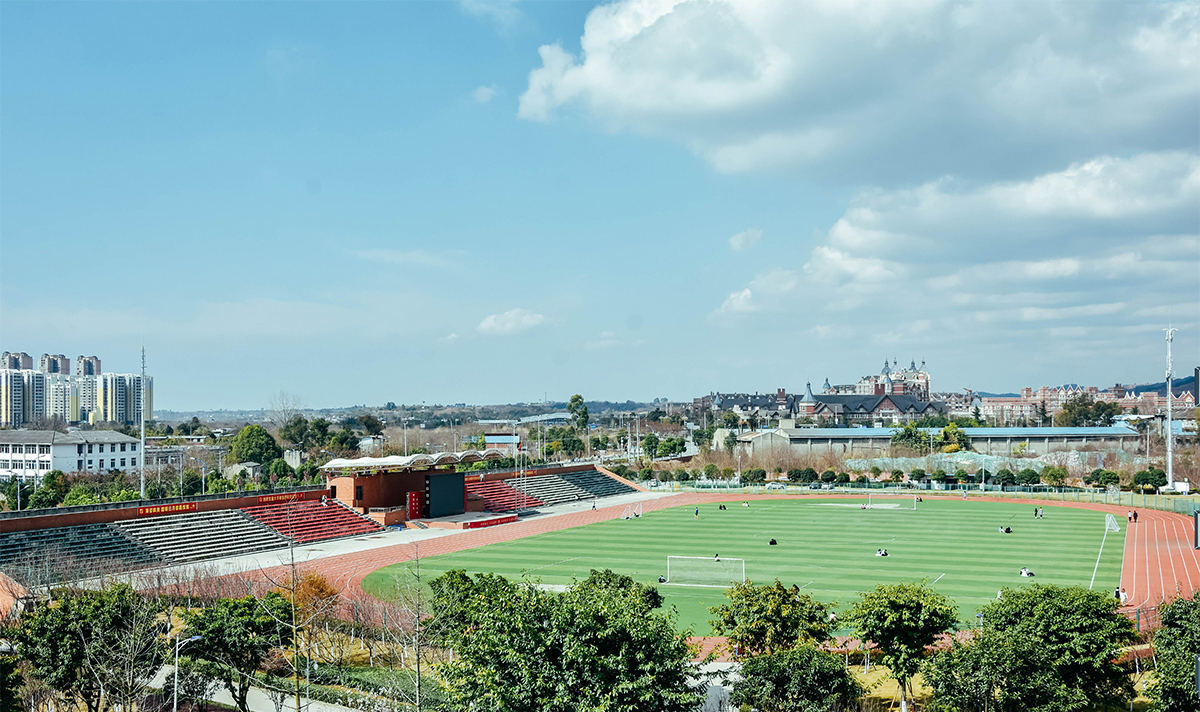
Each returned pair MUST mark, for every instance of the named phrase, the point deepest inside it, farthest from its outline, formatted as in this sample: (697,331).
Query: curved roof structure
(400,463)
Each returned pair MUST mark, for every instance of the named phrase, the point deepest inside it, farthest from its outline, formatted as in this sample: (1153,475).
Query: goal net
(705,571)
(632,510)
(891,501)
(1110,524)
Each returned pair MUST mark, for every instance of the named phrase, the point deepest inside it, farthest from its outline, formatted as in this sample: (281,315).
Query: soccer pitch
(825,545)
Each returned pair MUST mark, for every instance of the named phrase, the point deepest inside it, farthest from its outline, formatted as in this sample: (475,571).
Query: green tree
(318,432)
(1080,631)
(95,647)
(10,684)
(902,619)
(1176,645)
(1006,477)
(599,645)
(754,474)
(280,468)
(1152,478)
(999,671)
(371,424)
(295,430)
(802,678)
(650,445)
(730,442)
(771,618)
(1054,475)
(343,441)
(729,419)
(80,495)
(911,437)
(236,636)
(1029,477)
(1082,410)
(710,471)
(254,444)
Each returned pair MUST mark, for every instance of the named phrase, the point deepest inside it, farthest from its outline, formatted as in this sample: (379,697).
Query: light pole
(203,476)
(1170,399)
(179,644)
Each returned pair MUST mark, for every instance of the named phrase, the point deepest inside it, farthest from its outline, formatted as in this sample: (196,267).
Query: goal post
(1110,524)
(711,572)
(891,501)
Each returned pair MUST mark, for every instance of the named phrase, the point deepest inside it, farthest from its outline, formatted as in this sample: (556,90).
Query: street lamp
(203,476)
(179,644)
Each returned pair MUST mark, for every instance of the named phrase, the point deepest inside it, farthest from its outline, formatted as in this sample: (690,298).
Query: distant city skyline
(488,201)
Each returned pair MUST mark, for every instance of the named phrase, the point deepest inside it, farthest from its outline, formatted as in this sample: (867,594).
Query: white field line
(939,578)
(807,585)
(556,563)
(1097,567)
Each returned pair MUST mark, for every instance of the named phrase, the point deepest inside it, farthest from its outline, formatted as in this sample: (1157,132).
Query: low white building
(29,454)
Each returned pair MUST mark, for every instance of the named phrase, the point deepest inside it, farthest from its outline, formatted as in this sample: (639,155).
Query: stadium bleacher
(311,521)
(184,538)
(500,497)
(43,554)
(598,483)
(551,489)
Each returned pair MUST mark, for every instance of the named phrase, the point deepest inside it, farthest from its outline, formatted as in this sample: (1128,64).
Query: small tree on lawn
(801,678)
(770,618)
(902,619)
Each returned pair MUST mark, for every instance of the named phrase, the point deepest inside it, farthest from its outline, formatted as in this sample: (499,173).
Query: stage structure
(425,486)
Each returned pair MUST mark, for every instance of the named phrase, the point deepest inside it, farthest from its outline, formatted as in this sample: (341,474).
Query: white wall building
(29,454)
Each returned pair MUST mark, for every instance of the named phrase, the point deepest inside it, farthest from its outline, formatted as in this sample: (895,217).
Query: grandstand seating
(551,489)
(500,497)
(598,483)
(311,521)
(30,555)
(184,538)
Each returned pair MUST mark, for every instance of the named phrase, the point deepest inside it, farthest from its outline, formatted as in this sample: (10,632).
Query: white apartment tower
(87,366)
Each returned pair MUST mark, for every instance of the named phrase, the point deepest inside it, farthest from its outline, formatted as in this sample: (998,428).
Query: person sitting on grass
(772,542)
(1026,573)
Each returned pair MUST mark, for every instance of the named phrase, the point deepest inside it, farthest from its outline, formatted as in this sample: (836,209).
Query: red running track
(1160,562)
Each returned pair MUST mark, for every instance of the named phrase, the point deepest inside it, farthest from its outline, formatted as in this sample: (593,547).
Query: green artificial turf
(826,545)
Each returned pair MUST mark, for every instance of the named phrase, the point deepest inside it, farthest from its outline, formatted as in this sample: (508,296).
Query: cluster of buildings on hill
(900,394)
(87,395)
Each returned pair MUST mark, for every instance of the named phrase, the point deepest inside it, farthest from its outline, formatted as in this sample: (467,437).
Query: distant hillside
(1178,385)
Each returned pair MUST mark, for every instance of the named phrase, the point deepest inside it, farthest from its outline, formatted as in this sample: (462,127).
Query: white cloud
(745,239)
(607,340)
(484,94)
(503,13)
(510,322)
(1094,246)
(766,292)
(449,338)
(421,258)
(903,89)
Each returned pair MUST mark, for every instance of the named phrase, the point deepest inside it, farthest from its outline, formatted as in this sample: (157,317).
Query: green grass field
(826,545)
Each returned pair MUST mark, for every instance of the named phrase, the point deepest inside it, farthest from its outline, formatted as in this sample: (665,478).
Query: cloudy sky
(493,201)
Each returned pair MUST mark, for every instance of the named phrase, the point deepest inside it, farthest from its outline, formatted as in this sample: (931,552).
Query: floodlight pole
(142,477)
(1170,400)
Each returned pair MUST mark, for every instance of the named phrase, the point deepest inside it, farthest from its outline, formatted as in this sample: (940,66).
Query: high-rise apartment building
(26,395)
(54,363)
(12,396)
(17,360)
(87,366)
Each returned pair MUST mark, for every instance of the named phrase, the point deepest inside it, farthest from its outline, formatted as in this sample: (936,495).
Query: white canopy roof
(397,463)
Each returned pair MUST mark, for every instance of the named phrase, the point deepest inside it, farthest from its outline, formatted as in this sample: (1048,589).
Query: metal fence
(1179,504)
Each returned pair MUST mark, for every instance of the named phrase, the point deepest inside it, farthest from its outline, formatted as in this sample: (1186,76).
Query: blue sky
(492,201)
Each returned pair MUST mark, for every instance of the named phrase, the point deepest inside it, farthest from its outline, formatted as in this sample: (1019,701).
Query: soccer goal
(713,572)
(891,501)
(1110,524)
(632,510)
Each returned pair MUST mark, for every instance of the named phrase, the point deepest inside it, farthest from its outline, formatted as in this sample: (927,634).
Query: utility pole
(1170,400)
(142,469)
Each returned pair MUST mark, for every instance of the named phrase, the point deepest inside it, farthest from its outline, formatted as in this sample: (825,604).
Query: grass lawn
(826,545)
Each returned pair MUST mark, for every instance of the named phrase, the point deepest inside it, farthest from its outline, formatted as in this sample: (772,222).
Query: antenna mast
(1170,400)
(142,420)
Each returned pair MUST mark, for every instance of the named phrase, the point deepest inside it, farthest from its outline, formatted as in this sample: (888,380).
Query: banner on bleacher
(166,509)
(284,497)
